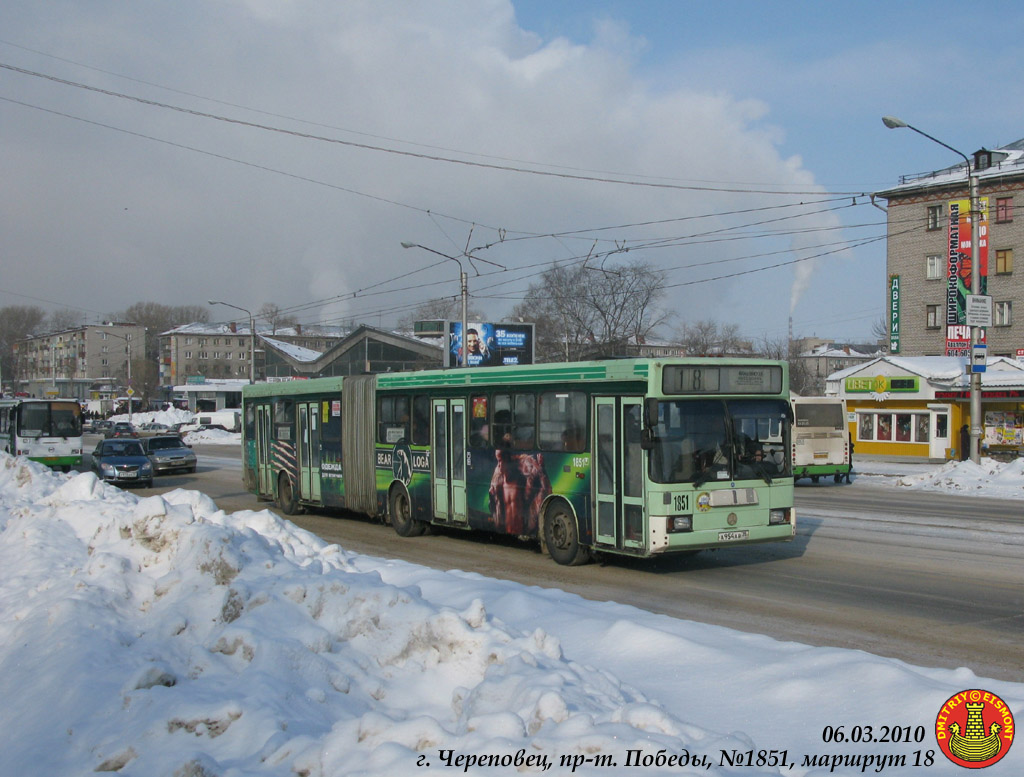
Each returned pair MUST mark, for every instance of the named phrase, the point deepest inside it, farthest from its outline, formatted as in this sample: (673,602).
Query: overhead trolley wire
(414,154)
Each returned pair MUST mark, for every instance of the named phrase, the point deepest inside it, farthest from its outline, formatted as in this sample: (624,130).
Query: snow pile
(166,417)
(989,478)
(210,437)
(159,635)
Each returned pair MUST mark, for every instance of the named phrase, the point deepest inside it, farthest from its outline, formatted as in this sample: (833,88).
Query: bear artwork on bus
(638,457)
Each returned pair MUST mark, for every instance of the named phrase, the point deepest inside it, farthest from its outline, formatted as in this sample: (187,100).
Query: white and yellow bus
(821,440)
(45,430)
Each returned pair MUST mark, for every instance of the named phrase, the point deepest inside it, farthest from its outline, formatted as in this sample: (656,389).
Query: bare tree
(801,381)
(272,314)
(16,323)
(439,309)
(157,319)
(880,331)
(60,320)
(584,312)
(701,338)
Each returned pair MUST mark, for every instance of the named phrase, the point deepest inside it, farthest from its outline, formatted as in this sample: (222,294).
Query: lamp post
(465,293)
(128,350)
(972,180)
(252,336)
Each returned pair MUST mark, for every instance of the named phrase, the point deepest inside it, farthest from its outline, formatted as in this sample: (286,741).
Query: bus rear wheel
(286,495)
(562,537)
(400,511)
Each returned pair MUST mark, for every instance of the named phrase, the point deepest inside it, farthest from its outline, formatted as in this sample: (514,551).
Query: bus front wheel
(562,537)
(286,495)
(400,510)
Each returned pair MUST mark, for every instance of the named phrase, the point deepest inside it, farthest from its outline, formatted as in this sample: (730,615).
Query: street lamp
(252,336)
(972,178)
(128,350)
(465,293)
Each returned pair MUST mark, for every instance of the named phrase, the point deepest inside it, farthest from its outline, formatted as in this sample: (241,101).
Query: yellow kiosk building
(917,406)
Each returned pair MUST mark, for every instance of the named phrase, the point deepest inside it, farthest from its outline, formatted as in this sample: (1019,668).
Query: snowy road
(932,579)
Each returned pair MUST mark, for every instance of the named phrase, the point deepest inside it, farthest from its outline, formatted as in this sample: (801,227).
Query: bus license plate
(729,536)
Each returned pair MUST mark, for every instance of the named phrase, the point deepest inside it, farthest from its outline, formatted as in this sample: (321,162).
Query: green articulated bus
(635,456)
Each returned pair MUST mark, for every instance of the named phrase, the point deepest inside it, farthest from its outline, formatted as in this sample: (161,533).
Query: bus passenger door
(309,451)
(449,460)
(619,472)
(264,470)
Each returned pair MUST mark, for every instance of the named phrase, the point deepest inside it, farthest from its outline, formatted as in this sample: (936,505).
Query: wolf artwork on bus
(519,487)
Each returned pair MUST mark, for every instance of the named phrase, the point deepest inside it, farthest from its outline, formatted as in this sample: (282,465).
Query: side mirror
(646,440)
(650,412)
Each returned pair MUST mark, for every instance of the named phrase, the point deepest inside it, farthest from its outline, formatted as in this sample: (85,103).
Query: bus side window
(563,421)
(393,419)
(421,420)
(479,429)
(501,427)
(525,421)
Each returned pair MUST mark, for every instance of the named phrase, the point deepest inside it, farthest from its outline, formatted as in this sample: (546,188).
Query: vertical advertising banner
(489,345)
(894,314)
(958,272)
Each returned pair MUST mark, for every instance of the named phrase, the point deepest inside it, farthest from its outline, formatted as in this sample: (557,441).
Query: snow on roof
(1002,371)
(833,352)
(307,330)
(296,352)
(1012,164)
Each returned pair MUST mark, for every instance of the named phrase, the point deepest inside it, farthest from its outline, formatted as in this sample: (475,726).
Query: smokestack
(789,347)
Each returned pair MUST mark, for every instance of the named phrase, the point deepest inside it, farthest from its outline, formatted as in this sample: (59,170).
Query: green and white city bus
(45,430)
(635,456)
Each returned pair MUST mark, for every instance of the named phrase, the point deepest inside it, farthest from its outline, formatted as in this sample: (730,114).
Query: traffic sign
(979,358)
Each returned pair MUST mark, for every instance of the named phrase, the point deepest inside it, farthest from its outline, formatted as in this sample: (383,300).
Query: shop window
(884,427)
(866,426)
(903,427)
(921,434)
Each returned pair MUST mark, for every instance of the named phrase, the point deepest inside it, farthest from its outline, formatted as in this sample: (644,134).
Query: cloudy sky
(268,151)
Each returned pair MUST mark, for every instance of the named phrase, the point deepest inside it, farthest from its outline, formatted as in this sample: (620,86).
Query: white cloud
(454,75)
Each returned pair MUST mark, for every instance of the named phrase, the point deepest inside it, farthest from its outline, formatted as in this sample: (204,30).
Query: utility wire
(413,154)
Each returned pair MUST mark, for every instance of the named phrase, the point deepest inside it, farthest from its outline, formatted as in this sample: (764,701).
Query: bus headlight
(778,517)
(679,523)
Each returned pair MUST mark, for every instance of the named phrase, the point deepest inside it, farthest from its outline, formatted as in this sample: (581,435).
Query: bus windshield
(697,441)
(50,419)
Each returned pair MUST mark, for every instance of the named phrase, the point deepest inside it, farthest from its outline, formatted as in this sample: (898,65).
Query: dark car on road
(169,453)
(121,429)
(122,461)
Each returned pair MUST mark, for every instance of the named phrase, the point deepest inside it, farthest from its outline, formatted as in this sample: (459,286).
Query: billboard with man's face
(489,344)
